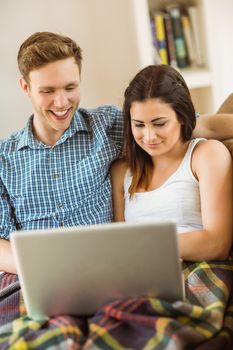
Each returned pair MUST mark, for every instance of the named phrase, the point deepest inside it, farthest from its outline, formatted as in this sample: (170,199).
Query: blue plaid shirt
(64,185)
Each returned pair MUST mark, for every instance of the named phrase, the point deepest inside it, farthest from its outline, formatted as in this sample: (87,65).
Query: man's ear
(25,86)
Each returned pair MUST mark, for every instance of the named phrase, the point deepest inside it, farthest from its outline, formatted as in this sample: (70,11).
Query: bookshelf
(205,80)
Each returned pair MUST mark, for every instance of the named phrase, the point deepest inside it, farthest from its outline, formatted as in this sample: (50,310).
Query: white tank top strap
(186,163)
(192,145)
(127,180)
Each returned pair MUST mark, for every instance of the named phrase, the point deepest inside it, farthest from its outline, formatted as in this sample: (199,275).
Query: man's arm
(217,126)
(7,225)
(7,263)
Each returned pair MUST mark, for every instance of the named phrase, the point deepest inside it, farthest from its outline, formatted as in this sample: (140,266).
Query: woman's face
(155,126)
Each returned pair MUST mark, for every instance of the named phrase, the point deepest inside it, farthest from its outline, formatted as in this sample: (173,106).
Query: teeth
(60,113)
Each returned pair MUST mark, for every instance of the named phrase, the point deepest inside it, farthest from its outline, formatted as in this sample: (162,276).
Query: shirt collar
(28,140)
(77,124)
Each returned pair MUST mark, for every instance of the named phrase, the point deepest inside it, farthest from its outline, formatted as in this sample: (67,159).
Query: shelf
(196,77)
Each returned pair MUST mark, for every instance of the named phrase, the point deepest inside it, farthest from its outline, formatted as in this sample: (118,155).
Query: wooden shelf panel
(197,77)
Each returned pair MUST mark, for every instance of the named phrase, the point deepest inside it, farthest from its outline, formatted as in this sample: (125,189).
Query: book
(194,15)
(157,59)
(170,40)
(180,45)
(189,39)
(153,33)
(161,37)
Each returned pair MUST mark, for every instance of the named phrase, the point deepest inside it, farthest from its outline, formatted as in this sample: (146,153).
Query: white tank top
(178,199)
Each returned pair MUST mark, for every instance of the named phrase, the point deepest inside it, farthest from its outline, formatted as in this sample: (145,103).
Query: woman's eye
(160,125)
(139,125)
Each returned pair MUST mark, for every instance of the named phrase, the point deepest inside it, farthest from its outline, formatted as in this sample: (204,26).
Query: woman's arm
(217,126)
(212,165)
(117,171)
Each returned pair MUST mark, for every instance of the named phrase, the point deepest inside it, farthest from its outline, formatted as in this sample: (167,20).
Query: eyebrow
(75,83)
(153,120)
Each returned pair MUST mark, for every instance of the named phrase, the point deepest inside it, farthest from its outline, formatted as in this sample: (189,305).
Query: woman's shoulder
(119,165)
(211,152)
(117,171)
(210,147)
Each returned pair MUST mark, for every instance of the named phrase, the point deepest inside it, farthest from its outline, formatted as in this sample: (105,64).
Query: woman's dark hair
(161,82)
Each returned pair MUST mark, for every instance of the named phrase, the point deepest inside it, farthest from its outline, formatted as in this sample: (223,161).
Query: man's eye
(70,88)
(46,91)
(139,125)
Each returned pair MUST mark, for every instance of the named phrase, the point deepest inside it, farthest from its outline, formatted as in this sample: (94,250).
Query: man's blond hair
(42,48)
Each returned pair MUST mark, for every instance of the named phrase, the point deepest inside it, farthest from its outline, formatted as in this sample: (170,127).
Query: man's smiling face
(54,90)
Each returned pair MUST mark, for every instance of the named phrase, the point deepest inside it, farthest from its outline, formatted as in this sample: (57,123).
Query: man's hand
(7,263)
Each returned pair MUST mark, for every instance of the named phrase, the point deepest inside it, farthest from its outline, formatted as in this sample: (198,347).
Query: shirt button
(60,205)
(56,176)
(62,223)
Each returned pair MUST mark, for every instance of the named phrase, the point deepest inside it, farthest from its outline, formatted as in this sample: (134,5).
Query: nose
(149,135)
(60,99)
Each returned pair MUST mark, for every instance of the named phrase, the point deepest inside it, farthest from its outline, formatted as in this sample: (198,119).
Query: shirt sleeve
(116,132)
(7,222)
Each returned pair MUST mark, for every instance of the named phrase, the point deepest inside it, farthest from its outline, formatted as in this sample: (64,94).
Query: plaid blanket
(204,321)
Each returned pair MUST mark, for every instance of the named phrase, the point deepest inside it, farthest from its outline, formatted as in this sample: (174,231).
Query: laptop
(76,270)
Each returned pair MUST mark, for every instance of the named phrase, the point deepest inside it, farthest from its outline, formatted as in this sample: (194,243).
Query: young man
(55,171)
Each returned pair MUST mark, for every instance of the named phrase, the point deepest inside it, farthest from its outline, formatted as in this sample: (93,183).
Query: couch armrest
(227,107)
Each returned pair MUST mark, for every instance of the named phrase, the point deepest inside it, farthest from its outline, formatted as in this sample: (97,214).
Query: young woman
(167,175)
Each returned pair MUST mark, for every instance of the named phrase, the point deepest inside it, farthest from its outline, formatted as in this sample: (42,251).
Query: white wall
(103,29)
(219,33)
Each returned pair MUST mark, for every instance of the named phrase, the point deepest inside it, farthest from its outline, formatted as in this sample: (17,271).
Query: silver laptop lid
(76,270)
